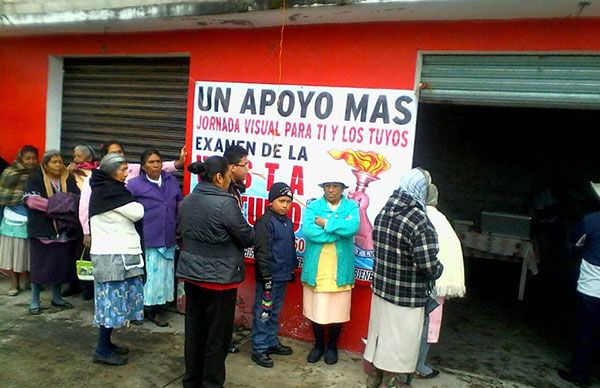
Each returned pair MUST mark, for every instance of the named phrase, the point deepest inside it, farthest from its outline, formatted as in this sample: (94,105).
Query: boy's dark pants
(588,330)
(209,316)
(264,331)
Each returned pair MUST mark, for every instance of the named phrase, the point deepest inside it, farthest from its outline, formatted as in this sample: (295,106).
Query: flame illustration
(366,161)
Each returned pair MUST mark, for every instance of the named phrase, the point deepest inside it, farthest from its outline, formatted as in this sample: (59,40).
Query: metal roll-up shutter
(557,81)
(141,102)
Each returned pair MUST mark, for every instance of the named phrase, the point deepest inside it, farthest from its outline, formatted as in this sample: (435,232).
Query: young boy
(275,256)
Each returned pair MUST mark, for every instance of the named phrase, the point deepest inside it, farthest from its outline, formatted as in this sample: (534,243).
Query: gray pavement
(55,349)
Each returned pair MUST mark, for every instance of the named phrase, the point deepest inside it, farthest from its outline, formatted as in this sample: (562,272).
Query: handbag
(431,304)
(85,268)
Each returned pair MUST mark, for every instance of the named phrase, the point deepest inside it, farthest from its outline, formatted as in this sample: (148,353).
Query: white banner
(304,135)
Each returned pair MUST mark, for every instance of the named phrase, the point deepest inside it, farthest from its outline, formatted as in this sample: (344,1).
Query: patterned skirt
(118,302)
(160,276)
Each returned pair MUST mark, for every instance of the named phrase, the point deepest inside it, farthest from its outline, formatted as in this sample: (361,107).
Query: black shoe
(262,359)
(113,359)
(233,349)
(331,356)
(120,350)
(70,291)
(434,373)
(568,376)
(62,306)
(314,355)
(280,349)
(159,319)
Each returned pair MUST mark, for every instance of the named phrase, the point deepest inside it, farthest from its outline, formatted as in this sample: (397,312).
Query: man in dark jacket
(275,256)
(586,236)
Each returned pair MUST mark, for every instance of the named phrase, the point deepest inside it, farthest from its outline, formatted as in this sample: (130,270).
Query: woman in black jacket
(51,197)
(211,263)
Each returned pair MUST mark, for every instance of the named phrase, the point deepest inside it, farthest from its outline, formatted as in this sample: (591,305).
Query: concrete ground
(55,349)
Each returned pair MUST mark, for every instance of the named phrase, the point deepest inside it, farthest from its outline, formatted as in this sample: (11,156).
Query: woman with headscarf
(160,194)
(117,256)
(329,226)
(405,266)
(449,285)
(51,197)
(14,247)
(211,263)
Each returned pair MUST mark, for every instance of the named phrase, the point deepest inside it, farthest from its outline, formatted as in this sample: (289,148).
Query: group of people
(50,211)
(408,261)
(126,216)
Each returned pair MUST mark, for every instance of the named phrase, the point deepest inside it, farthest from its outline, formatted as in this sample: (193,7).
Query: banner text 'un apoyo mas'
(304,135)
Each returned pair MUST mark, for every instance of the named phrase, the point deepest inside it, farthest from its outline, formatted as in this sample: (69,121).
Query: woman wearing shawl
(160,194)
(405,265)
(50,194)
(14,247)
(329,225)
(450,284)
(116,253)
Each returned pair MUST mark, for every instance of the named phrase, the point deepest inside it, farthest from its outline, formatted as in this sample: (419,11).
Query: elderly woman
(81,169)
(14,247)
(329,226)
(214,236)
(117,256)
(51,197)
(405,266)
(160,194)
(83,163)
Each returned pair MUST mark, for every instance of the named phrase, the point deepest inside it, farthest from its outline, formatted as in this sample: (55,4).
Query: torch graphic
(367,165)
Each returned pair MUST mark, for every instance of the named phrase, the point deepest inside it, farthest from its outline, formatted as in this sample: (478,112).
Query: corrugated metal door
(558,81)
(141,102)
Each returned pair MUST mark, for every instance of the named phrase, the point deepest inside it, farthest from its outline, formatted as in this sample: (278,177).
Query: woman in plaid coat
(405,267)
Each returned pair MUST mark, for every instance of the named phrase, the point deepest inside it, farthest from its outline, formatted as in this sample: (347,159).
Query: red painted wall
(361,55)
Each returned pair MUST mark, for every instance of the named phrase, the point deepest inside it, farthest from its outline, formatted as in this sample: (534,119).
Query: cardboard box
(505,224)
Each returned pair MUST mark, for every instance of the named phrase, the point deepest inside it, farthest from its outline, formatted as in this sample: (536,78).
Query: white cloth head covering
(416,182)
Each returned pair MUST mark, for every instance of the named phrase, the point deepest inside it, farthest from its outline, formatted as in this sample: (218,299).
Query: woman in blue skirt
(159,192)
(116,253)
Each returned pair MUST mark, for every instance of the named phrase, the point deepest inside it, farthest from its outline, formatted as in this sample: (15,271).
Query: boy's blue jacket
(342,224)
(274,247)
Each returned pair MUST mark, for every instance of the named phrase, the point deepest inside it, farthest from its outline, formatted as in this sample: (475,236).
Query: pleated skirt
(14,254)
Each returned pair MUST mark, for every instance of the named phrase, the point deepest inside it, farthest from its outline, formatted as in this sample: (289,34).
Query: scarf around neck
(48,182)
(12,184)
(107,193)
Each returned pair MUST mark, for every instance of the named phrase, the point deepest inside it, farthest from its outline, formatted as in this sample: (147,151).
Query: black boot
(331,355)
(316,352)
